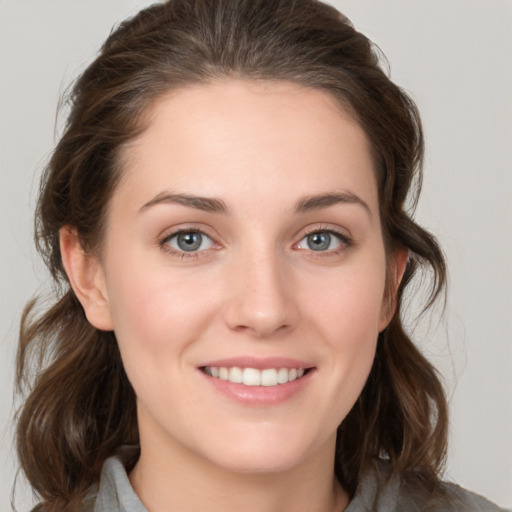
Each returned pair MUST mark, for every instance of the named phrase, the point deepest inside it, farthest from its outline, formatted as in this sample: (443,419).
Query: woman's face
(244,243)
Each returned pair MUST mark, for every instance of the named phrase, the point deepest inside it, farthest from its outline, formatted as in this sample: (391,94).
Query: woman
(226,215)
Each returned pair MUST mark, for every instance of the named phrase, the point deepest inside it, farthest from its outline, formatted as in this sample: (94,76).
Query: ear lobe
(86,277)
(396,269)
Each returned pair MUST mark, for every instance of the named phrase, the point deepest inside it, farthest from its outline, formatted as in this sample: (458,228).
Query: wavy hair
(80,406)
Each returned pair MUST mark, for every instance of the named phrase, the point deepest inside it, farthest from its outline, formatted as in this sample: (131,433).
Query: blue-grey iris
(189,241)
(319,241)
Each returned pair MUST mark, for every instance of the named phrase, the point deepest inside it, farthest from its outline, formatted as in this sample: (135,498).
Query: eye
(189,241)
(322,241)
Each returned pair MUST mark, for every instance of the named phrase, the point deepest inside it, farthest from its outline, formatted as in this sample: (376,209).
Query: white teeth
(235,375)
(255,377)
(251,377)
(269,377)
(282,376)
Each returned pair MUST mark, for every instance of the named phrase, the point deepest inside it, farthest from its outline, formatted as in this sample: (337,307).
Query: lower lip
(260,395)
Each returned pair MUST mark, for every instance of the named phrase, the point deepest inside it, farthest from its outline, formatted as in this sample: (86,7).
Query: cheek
(157,315)
(347,311)
(349,302)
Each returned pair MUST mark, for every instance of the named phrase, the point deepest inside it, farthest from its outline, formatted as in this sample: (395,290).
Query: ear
(395,273)
(87,279)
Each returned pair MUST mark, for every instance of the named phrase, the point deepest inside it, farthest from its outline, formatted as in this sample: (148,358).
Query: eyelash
(164,244)
(345,242)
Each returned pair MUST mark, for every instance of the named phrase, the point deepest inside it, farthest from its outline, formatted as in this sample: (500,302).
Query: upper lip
(259,363)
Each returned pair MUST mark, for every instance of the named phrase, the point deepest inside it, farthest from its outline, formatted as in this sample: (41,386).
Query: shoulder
(449,498)
(382,490)
(113,493)
(85,505)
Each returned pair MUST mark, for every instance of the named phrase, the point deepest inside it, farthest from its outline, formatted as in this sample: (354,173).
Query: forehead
(266,140)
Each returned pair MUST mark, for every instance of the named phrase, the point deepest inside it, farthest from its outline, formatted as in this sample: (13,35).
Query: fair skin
(280,266)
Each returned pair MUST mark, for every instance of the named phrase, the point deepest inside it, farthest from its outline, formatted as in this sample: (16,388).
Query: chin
(258,462)
(265,453)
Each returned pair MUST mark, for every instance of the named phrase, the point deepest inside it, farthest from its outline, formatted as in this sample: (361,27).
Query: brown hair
(80,406)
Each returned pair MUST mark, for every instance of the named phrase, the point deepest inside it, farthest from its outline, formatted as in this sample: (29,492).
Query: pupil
(189,241)
(319,241)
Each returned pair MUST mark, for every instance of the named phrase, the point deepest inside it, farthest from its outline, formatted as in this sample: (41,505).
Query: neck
(170,477)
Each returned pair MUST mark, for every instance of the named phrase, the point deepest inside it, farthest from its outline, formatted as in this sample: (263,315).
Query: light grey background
(455,57)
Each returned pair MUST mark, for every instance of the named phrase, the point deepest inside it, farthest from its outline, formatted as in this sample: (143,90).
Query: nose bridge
(262,302)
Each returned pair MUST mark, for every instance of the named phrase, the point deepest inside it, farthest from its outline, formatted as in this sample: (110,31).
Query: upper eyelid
(171,232)
(342,233)
(343,239)
(180,231)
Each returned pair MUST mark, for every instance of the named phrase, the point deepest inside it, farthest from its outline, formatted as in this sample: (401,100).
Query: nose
(263,302)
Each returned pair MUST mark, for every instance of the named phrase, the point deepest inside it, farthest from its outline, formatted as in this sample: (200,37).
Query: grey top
(379,491)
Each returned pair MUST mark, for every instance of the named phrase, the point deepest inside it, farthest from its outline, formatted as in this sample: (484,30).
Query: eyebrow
(213,205)
(319,201)
(205,204)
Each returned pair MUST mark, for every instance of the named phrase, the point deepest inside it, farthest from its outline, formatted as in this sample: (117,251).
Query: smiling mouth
(255,377)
